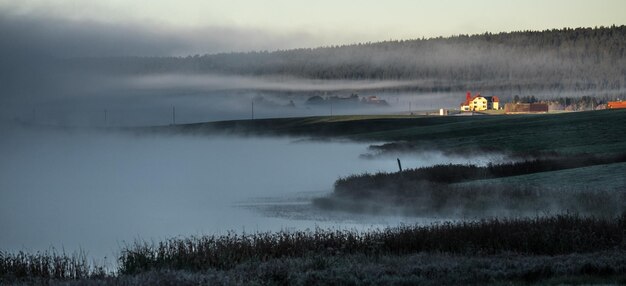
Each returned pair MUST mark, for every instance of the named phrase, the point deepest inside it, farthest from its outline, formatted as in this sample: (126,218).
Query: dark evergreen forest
(581,59)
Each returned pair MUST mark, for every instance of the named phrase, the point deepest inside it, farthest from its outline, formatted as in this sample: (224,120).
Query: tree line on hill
(578,59)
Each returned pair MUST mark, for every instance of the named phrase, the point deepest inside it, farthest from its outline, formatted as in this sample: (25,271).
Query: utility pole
(173,115)
(592,108)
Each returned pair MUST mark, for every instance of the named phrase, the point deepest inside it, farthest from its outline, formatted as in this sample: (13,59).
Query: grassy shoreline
(595,268)
(461,191)
(593,248)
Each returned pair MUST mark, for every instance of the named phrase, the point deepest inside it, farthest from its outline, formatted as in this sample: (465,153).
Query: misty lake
(98,190)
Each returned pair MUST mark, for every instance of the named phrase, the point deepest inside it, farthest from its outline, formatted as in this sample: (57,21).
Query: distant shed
(526,108)
(616,104)
(538,107)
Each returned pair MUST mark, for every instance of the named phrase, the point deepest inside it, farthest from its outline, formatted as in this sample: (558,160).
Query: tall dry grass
(48,265)
(561,234)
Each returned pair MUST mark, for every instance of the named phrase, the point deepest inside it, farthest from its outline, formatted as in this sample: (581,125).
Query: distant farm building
(351,100)
(374,100)
(526,108)
(616,104)
(480,103)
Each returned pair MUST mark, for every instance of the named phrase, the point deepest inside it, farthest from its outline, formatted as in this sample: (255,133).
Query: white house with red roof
(480,103)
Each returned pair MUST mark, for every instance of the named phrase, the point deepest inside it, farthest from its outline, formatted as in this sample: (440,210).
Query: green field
(594,131)
(607,177)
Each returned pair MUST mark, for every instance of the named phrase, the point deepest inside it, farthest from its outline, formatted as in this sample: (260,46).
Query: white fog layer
(97,191)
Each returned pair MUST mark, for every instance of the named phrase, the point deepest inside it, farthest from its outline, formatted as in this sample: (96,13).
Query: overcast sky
(209,26)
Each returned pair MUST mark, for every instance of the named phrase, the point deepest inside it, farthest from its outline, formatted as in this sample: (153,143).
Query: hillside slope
(582,59)
(595,131)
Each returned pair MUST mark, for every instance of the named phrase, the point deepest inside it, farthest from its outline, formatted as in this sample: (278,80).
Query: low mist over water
(96,190)
(156,107)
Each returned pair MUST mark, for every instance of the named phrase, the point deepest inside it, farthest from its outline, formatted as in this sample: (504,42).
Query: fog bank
(91,190)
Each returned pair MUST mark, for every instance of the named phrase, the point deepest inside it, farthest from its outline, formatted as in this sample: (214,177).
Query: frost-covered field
(605,268)
(562,248)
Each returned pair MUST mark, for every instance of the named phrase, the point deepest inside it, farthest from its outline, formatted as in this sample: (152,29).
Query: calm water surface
(96,191)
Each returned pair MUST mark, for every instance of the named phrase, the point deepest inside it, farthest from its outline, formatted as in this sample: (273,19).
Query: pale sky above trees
(297,23)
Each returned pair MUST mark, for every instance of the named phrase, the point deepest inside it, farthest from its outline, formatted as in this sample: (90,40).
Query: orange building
(616,104)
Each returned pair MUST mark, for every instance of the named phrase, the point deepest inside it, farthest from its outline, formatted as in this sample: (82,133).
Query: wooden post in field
(173,115)
(399,165)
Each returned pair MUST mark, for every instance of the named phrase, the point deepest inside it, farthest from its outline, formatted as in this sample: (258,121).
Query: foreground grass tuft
(48,265)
